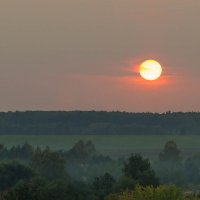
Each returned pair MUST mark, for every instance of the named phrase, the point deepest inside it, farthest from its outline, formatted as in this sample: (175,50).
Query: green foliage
(82,161)
(24,151)
(49,164)
(40,189)
(140,170)
(17,182)
(124,183)
(56,190)
(149,193)
(3,151)
(12,172)
(80,191)
(81,152)
(99,165)
(23,190)
(103,185)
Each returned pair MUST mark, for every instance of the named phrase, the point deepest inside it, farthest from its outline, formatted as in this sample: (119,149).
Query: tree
(3,151)
(26,151)
(12,172)
(49,164)
(170,152)
(23,190)
(80,191)
(103,185)
(140,170)
(81,152)
(56,190)
(124,183)
(169,166)
(192,169)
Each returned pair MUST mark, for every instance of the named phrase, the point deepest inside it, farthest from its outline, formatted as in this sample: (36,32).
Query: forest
(99,123)
(31,171)
(81,173)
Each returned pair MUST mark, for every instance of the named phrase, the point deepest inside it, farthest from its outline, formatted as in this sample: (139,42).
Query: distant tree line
(92,122)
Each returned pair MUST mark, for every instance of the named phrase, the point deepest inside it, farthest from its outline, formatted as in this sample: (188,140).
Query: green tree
(81,152)
(26,151)
(48,164)
(103,185)
(3,152)
(140,170)
(170,152)
(27,190)
(169,166)
(56,190)
(124,183)
(80,191)
(12,172)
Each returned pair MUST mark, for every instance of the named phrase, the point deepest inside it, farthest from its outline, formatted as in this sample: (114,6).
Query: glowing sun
(150,70)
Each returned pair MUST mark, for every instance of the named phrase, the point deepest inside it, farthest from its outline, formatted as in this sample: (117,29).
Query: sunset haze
(84,55)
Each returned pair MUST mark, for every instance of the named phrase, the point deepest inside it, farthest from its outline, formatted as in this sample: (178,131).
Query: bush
(150,193)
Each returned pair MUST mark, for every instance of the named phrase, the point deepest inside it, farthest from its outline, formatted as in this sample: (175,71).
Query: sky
(84,55)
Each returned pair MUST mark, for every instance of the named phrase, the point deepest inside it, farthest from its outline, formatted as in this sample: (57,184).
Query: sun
(150,70)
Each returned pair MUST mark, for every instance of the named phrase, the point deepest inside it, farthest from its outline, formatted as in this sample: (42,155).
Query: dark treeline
(92,122)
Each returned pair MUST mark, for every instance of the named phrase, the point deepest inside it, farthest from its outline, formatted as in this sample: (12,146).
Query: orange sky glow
(84,55)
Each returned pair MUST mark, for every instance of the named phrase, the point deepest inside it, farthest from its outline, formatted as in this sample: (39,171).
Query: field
(114,146)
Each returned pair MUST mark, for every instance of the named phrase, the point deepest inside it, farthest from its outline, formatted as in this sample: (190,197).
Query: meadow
(113,145)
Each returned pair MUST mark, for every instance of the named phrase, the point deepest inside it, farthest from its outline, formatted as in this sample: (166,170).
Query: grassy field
(114,146)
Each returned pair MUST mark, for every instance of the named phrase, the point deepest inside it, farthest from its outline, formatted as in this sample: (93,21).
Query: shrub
(150,193)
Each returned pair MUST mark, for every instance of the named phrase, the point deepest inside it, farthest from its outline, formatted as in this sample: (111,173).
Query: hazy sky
(83,54)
